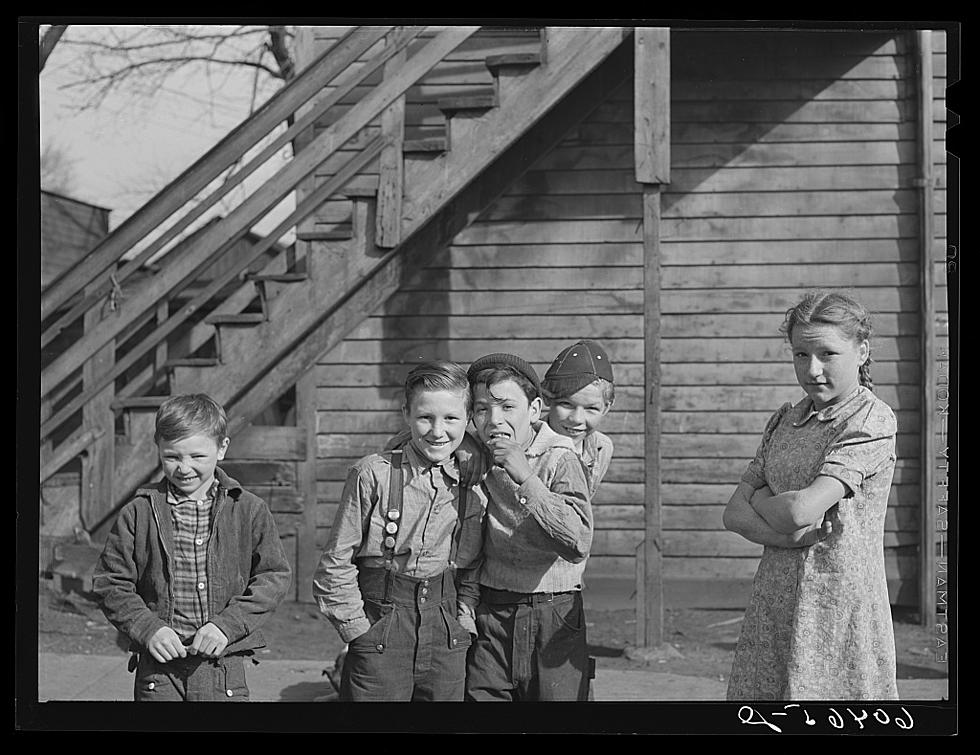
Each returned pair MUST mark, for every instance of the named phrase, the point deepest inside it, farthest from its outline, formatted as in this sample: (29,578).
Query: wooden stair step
(334,235)
(242,318)
(192,362)
(428,145)
(138,402)
(361,192)
(513,60)
(278,277)
(476,102)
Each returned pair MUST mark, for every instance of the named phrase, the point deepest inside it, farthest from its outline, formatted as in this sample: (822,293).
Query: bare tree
(140,60)
(57,170)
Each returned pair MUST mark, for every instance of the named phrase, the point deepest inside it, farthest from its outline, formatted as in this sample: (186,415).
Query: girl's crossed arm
(794,509)
(740,517)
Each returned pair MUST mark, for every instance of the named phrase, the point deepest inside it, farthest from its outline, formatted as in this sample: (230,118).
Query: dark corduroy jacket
(247,570)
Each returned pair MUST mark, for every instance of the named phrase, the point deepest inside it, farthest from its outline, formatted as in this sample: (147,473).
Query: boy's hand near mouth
(509,454)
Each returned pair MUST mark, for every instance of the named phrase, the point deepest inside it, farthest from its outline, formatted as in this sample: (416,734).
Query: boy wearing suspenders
(397,578)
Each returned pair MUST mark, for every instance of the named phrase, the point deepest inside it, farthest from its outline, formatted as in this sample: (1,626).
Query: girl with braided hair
(818,625)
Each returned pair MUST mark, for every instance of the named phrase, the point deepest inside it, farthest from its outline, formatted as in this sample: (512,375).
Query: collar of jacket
(545,438)
(228,489)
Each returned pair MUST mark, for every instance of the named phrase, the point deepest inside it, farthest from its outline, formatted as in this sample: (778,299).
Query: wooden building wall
(793,166)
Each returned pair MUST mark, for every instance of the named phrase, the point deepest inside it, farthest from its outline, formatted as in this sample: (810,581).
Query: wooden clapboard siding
(793,166)
(793,159)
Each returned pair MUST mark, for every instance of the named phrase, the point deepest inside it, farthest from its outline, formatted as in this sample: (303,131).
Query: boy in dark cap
(580,392)
(531,643)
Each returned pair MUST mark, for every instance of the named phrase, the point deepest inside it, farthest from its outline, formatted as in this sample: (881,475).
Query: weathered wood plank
(252,474)
(391,166)
(771,349)
(737,155)
(688,229)
(409,350)
(268,442)
(595,133)
(705,180)
(568,325)
(760,204)
(674,374)
(464,303)
(777,301)
(652,96)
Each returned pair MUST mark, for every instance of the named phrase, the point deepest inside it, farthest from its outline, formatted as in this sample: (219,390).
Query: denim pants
(415,649)
(530,646)
(191,679)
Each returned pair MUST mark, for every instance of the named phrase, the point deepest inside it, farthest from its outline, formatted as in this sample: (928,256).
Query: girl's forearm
(742,519)
(777,510)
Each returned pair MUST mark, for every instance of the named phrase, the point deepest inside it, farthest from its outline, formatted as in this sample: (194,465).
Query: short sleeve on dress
(755,472)
(860,451)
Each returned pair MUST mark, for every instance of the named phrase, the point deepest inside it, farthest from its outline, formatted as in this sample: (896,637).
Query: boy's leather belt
(507,598)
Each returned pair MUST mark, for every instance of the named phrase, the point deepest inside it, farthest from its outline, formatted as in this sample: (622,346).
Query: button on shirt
(192,524)
(425,530)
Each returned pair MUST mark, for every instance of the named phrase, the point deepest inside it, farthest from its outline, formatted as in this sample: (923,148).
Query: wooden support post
(160,354)
(652,165)
(651,93)
(97,462)
(652,557)
(391,165)
(306,548)
(925,181)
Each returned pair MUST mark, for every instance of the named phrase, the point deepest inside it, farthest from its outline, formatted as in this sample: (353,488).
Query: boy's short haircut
(583,363)
(438,375)
(495,368)
(190,414)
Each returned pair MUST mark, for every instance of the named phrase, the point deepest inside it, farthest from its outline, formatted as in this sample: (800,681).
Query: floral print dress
(818,625)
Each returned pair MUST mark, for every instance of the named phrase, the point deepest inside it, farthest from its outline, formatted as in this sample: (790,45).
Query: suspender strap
(393,512)
(458,530)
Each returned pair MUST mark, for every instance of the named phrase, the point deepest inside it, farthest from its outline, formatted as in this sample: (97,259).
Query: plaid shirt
(192,527)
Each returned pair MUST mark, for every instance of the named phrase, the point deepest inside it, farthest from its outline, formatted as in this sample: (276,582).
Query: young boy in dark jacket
(193,565)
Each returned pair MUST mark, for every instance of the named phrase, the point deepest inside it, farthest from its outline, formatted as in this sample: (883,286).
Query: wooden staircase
(254,343)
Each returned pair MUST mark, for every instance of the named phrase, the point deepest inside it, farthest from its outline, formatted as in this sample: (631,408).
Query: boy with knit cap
(531,642)
(580,392)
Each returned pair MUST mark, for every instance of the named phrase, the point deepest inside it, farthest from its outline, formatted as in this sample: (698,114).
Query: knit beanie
(576,367)
(505,360)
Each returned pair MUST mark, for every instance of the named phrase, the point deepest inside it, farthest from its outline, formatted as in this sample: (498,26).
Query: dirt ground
(703,641)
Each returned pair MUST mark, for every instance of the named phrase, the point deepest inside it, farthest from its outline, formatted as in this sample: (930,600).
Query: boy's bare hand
(209,641)
(473,463)
(165,645)
(509,455)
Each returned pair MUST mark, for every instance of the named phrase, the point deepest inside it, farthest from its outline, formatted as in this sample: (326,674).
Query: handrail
(307,207)
(201,173)
(76,444)
(320,106)
(262,201)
